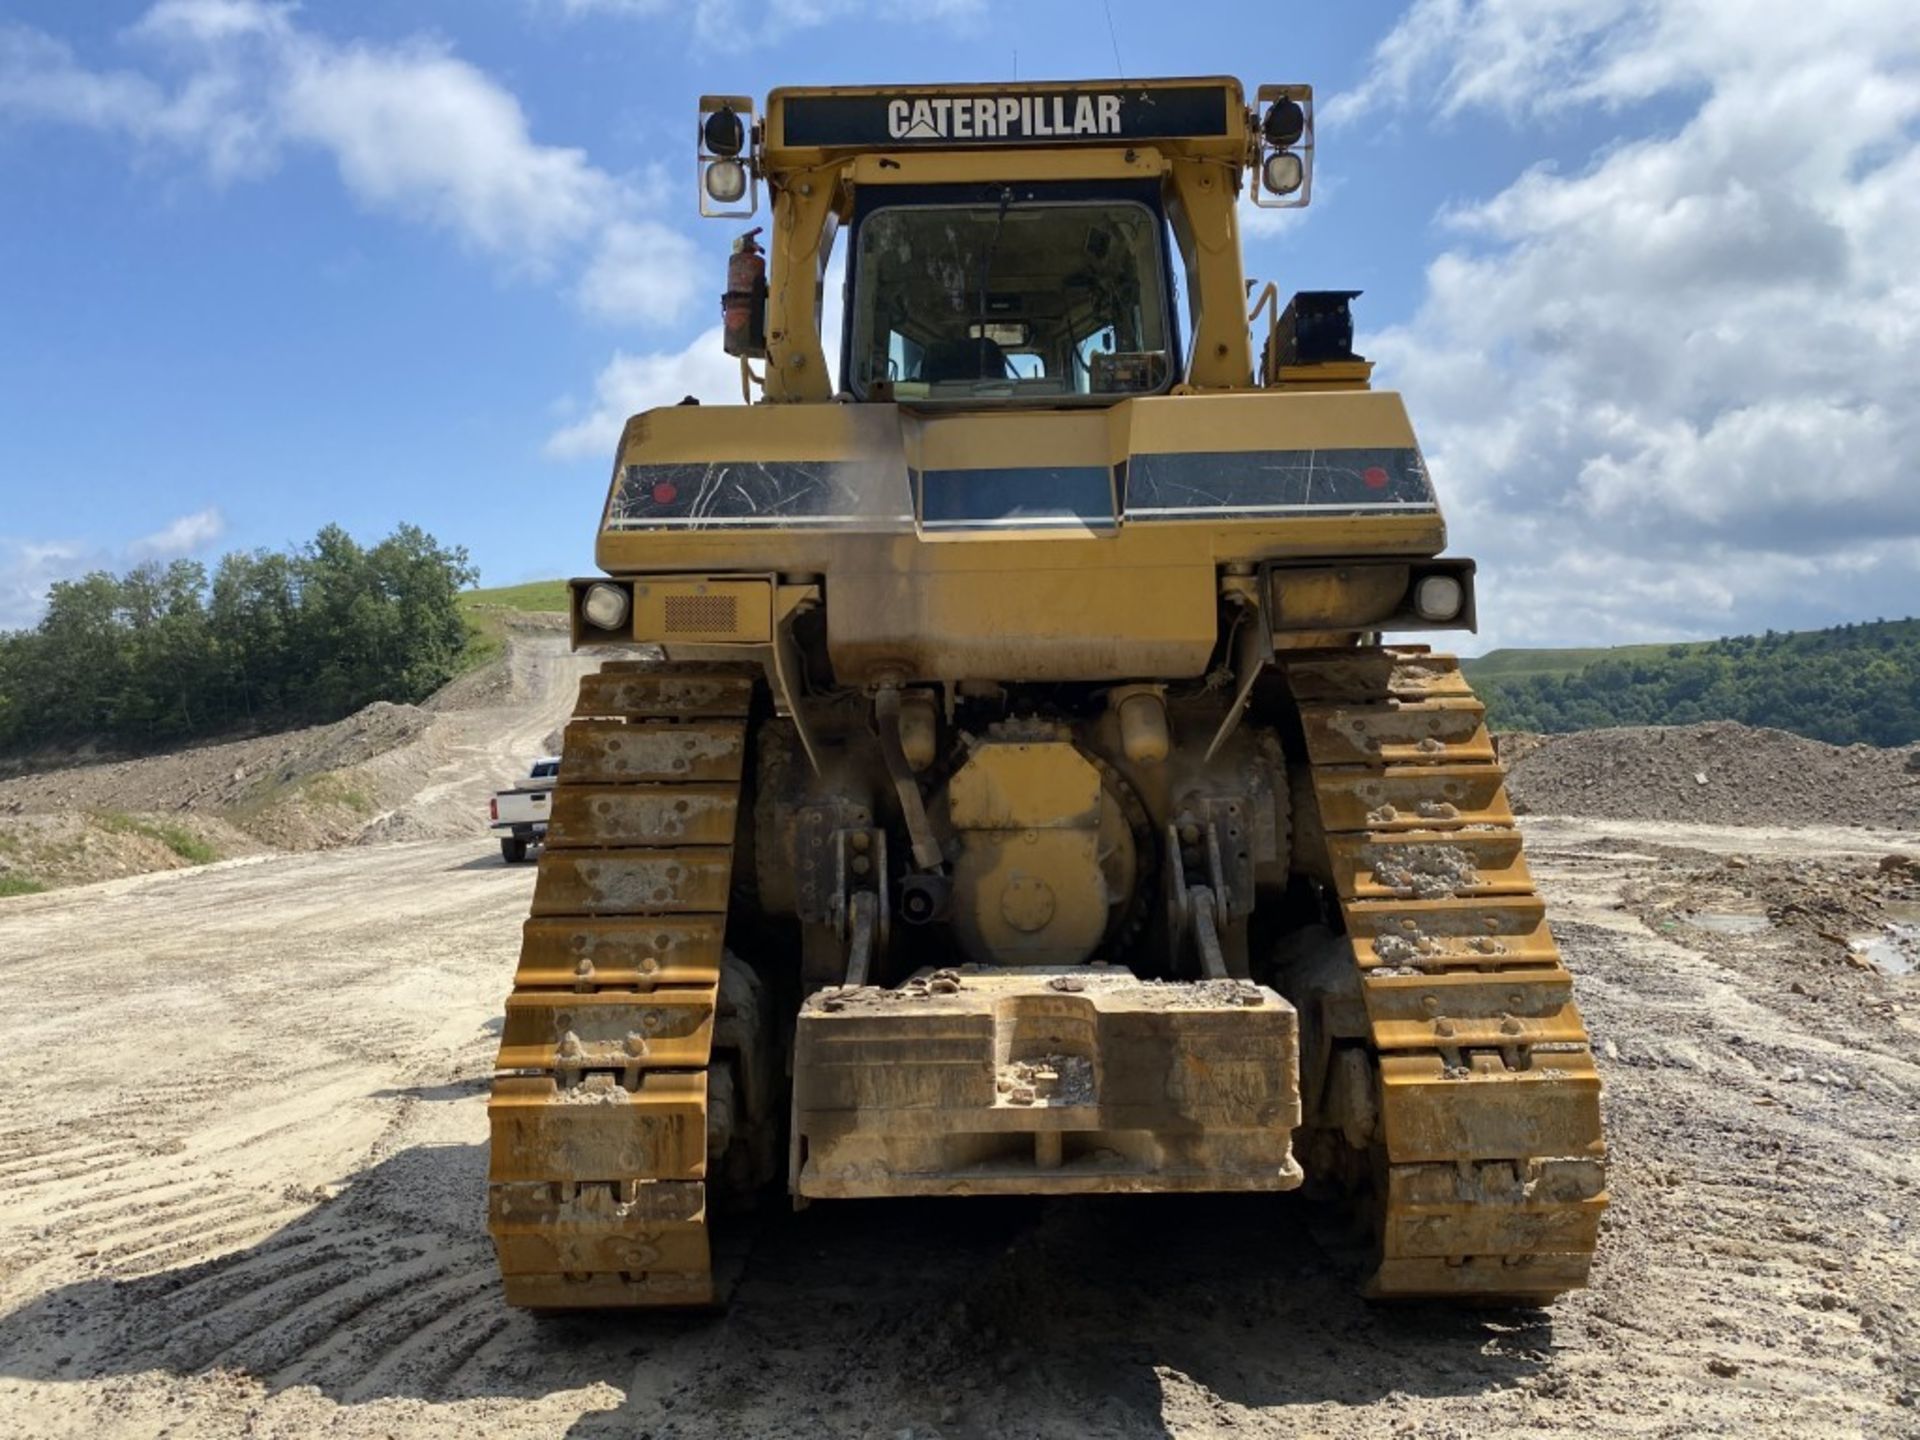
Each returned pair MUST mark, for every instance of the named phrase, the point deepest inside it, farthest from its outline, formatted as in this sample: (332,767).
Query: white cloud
(422,133)
(38,77)
(28,568)
(1273,222)
(644,271)
(214,22)
(1503,54)
(1672,392)
(41,80)
(187,535)
(414,131)
(630,384)
(1262,222)
(732,24)
(1533,57)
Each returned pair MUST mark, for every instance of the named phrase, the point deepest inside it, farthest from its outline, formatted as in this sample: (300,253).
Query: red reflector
(665,493)
(1375,477)
(493,809)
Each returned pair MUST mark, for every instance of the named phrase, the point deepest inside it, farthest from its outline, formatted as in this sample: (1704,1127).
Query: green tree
(1850,684)
(163,653)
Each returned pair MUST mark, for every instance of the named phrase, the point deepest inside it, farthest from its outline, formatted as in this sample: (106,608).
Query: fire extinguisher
(743,308)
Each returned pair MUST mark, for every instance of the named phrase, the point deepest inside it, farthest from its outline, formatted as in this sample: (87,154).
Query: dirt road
(241,1168)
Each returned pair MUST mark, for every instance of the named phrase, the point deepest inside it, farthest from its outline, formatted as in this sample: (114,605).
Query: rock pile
(1719,773)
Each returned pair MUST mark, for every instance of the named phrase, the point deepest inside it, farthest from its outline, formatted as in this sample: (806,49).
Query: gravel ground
(242,1159)
(241,1156)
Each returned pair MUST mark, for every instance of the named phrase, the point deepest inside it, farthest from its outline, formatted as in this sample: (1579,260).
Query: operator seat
(980,359)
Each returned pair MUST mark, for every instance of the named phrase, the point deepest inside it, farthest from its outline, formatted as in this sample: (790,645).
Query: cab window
(1049,302)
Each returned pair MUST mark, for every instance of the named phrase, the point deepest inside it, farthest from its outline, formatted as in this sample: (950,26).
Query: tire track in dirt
(154,1216)
(388,1330)
(33,1167)
(300,1321)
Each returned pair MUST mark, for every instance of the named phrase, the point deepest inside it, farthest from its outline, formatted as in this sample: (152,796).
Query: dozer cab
(1018,797)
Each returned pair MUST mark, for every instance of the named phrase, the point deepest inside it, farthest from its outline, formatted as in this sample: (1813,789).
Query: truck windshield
(1006,301)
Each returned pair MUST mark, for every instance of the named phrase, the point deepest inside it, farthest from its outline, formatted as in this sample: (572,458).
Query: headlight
(605,606)
(1438,598)
(1283,173)
(726,181)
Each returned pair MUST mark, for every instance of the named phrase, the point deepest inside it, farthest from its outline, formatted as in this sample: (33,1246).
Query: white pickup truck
(519,816)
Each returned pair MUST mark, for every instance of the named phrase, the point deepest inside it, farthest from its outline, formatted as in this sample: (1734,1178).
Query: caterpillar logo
(1003,117)
(1043,115)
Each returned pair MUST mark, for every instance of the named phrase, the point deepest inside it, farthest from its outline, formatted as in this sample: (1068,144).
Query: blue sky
(1645,269)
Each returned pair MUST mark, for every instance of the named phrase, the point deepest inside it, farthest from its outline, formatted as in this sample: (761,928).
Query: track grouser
(1014,794)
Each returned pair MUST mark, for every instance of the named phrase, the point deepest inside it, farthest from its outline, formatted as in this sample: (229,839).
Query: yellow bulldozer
(1019,797)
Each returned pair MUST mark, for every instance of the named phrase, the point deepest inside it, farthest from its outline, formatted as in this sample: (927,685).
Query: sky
(1646,271)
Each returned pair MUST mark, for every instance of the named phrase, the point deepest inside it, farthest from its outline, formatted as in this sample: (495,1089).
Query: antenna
(1120,70)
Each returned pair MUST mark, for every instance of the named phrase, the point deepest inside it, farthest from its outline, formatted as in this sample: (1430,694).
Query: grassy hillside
(1851,684)
(486,633)
(539,595)
(1521,664)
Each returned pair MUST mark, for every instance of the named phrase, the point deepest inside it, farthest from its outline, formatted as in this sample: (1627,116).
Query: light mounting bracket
(1283,152)
(715,202)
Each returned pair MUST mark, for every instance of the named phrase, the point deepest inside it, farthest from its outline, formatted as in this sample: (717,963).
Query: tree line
(1853,684)
(168,652)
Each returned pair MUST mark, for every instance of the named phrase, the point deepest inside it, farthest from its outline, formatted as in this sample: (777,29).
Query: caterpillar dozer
(1018,796)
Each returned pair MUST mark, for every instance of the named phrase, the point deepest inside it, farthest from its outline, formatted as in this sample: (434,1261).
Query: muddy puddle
(1895,948)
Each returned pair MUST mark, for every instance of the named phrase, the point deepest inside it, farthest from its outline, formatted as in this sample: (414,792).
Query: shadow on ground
(1051,1318)
(490,860)
(982,1317)
(465,1088)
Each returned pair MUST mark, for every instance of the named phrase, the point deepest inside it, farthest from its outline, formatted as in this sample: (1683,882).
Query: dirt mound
(298,790)
(236,775)
(1717,774)
(1513,746)
(80,847)
(389,772)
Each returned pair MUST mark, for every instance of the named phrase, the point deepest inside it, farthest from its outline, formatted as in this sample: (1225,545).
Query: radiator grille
(702,614)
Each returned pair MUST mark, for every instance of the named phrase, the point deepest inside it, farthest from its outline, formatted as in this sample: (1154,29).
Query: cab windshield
(1044,302)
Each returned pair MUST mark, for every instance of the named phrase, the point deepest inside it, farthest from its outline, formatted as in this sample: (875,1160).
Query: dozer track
(598,1166)
(1489,1165)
